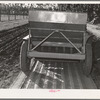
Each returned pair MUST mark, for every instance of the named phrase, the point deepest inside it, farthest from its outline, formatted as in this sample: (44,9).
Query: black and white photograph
(49,46)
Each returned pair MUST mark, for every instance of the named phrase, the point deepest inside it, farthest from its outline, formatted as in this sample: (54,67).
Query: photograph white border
(46,94)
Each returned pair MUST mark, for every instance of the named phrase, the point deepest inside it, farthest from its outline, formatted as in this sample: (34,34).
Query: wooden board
(17,84)
(51,74)
(56,55)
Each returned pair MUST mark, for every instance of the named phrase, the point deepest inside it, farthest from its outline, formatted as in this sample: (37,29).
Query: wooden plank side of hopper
(56,55)
(57,26)
(58,17)
(57,44)
(45,32)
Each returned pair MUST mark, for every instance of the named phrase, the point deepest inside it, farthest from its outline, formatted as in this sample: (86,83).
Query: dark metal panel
(74,40)
(52,39)
(58,17)
(43,25)
(35,32)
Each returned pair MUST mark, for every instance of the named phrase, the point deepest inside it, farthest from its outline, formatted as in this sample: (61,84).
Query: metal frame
(33,53)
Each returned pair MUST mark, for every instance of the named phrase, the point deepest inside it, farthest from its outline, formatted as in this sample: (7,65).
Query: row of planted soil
(10,43)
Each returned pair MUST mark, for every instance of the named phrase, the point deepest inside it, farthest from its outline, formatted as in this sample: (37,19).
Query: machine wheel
(24,60)
(87,66)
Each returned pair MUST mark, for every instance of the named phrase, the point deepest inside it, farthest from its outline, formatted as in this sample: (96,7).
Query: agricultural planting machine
(58,36)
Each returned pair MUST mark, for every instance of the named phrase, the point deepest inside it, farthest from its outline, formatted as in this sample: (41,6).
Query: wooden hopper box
(60,37)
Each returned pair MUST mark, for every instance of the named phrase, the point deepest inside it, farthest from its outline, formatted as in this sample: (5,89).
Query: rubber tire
(87,66)
(24,60)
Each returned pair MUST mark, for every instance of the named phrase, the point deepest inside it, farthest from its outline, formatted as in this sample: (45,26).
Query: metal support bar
(43,40)
(70,42)
(29,40)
